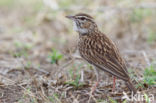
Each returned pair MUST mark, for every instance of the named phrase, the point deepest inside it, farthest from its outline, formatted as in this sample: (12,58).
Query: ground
(39,62)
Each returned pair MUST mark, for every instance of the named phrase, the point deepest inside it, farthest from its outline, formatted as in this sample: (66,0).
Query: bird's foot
(94,87)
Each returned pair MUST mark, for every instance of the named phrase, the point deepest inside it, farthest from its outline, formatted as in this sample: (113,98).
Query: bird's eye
(82,18)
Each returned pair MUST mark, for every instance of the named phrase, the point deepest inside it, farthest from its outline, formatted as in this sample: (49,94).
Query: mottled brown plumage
(96,48)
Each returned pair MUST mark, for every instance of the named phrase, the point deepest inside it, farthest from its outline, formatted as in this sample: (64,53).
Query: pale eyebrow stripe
(85,17)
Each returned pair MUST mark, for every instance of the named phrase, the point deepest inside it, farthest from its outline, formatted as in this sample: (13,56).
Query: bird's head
(83,23)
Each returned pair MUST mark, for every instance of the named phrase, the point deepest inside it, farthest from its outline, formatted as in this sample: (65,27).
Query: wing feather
(106,57)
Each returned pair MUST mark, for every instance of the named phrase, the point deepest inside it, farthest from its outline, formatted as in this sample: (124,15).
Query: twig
(146,58)
(14,83)
(82,76)
(39,69)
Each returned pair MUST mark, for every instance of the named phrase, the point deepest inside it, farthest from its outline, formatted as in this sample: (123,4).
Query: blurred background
(38,58)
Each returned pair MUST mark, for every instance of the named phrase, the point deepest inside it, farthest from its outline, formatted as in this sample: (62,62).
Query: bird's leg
(114,78)
(98,80)
(94,87)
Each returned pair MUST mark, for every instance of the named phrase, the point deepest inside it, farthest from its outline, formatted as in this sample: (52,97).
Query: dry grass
(38,58)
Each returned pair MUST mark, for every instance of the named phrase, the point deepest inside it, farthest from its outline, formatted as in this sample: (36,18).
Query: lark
(96,48)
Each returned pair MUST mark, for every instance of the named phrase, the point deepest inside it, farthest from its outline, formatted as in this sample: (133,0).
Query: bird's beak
(70,17)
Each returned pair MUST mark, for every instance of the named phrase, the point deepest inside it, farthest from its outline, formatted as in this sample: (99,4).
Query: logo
(138,97)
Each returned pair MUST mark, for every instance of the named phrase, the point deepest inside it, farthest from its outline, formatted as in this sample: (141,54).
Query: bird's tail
(131,87)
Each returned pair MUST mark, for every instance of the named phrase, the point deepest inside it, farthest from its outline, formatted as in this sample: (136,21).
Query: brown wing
(102,53)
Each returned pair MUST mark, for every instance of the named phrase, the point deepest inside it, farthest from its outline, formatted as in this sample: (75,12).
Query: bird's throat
(78,29)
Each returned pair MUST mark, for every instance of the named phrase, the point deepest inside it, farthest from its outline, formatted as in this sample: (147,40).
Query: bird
(97,49)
